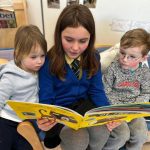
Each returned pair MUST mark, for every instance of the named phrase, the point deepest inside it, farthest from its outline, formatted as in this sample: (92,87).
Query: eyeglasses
(129,58)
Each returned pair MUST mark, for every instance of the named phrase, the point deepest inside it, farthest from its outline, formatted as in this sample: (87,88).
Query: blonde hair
(26,38)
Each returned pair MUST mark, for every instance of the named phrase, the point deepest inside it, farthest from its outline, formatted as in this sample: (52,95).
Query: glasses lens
(129,58)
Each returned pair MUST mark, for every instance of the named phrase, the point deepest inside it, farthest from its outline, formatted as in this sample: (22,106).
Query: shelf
(7,34)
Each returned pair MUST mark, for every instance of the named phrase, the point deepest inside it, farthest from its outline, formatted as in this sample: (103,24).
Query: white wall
(34,13)
(112,18)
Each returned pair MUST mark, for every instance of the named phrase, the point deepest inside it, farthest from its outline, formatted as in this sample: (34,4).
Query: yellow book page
(100,118)
(26,110)
(70,118)
(121,112)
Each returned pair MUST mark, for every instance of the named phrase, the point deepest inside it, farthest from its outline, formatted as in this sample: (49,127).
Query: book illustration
(99,118)
(124,107)
(72,119)
(27,110)
(29,114)
(93,121)
(57,116)
(7,19)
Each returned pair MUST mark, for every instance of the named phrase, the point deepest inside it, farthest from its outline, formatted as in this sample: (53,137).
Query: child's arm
(6,89)
(108,81)
(144,87)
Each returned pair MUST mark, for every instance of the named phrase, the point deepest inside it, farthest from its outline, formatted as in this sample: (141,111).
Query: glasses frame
(129,58)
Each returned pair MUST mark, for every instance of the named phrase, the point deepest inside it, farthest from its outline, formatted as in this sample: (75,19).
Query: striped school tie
(75,67)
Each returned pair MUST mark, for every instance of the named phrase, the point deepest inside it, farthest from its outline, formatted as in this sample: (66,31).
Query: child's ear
(144,58)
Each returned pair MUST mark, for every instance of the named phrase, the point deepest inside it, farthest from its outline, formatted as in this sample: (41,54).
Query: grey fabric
(118,137)
(95,137)
(16,84)
(126,86)
(133,135)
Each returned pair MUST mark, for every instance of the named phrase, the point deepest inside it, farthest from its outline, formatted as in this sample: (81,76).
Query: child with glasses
(128,81)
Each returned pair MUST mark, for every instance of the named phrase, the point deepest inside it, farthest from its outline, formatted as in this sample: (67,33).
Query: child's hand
(46,124)
(113,124)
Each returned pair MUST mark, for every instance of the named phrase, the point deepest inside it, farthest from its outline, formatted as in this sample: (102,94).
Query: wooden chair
(27,130)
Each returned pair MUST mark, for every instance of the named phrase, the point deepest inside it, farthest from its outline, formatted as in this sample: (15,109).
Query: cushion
(6,53)
(108,56)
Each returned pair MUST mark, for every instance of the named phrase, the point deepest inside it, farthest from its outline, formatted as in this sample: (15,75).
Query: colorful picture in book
(7,19)
(56,115)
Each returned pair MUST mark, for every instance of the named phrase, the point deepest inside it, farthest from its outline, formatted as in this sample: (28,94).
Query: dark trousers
(10,139)
(52,138)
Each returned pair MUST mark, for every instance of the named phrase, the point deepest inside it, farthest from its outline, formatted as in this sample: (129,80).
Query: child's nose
(75,46)
(39,60)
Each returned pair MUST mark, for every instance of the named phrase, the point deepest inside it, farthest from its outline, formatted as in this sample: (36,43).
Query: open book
(72,119)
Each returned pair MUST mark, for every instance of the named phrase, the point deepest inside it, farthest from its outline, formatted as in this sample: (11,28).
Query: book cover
(72,119)
(7,19)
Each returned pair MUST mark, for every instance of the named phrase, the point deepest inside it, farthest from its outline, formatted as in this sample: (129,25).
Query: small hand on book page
(113,124)
(46,124)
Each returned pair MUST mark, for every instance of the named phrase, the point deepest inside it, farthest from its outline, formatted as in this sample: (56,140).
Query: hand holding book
(46,124)
(113,124)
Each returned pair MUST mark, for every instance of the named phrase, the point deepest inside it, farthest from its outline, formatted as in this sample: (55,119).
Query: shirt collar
(70,60)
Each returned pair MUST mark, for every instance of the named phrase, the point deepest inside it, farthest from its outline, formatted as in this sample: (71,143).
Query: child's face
(75,41)
(131,57)
(33,62)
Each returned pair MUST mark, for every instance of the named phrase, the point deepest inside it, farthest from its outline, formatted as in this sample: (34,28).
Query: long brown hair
(73,16)
(26,37)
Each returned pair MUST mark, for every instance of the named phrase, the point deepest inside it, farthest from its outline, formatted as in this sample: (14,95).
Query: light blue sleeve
(6,89)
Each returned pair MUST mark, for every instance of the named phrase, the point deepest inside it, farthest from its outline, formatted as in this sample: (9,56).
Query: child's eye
(122,53)
(132,57)
(83,41)
(43,55)
(69,40)
(33,57)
